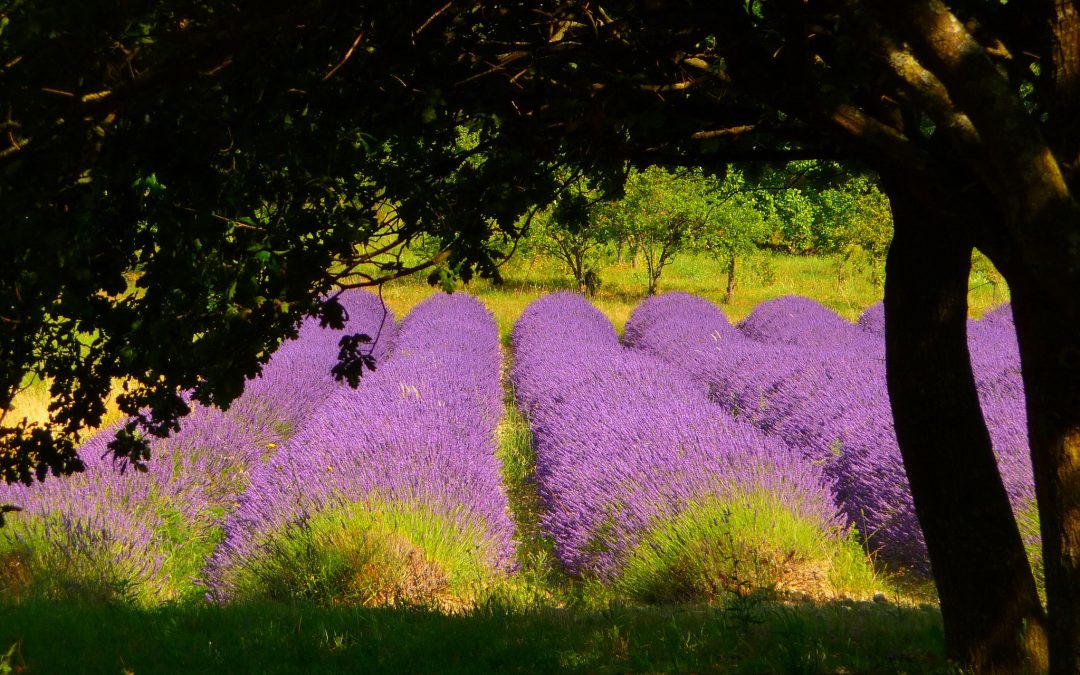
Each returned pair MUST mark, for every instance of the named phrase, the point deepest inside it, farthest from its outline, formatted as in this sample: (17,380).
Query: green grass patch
(271,637)
(745,545)
(370,554)
(540,578)
(624,285)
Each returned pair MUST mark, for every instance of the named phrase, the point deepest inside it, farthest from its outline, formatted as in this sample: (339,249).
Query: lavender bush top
(795,320)
(872,320)
(297,379)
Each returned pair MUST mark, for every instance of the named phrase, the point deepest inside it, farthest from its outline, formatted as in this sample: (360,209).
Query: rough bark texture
(1063,78)
(1048,327)
(992,615)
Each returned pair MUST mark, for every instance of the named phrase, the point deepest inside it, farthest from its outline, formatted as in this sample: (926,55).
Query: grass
(33,399)
(371,554)
(743,545)
(624,286)
(270,637)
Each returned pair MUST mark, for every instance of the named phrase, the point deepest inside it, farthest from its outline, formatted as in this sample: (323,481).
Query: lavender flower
(795,320)
(824,394)
(872,320)
(418,433)
(113,532)
(297,379)
(626,442)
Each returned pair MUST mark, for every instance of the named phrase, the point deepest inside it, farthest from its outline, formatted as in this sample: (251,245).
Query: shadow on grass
(750,637)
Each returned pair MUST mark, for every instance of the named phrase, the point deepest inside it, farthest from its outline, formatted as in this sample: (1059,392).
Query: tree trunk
(578,268)
(653,279)
(729,295)
(1048,329)
(993,619)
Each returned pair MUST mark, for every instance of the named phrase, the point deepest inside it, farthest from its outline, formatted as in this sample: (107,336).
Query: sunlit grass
(32,402)
(745,544)
(624,286)
(371,553)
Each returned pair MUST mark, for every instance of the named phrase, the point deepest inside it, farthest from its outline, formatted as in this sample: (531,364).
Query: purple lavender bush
(830,405)
(795,320)
(995,353)
(111,533)
(872,320)
(298,378)
(627,446)
(399,472)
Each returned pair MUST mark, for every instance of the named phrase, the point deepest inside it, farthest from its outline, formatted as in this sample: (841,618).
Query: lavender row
(109,529)
(825,396)
(802,322)
(297,379)
(419,432)
(625,442)
(995,354)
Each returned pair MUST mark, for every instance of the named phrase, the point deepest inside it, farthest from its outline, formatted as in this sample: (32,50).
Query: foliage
(734,227)
(185,182)
(567,232)
(856,226)
(659,214)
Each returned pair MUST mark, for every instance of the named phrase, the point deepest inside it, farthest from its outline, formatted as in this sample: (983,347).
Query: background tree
(658,214)
(855,226)
(733,227)
(566,231)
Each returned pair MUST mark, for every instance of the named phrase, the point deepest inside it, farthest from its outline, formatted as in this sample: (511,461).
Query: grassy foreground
(748,637)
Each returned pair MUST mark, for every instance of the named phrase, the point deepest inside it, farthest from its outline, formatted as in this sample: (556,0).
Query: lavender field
(690,460)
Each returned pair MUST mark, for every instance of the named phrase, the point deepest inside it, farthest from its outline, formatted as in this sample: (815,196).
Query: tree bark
(1063,80)
(993,619)
(1048,329)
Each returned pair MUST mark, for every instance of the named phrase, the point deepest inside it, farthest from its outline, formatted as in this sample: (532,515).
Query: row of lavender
(625,442)
(804,375)
(420,429)
(417,437)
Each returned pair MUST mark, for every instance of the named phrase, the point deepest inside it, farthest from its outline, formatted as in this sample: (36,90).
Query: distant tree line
(731,216)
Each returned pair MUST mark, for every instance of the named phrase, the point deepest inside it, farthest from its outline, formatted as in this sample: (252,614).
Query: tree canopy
(182,181)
